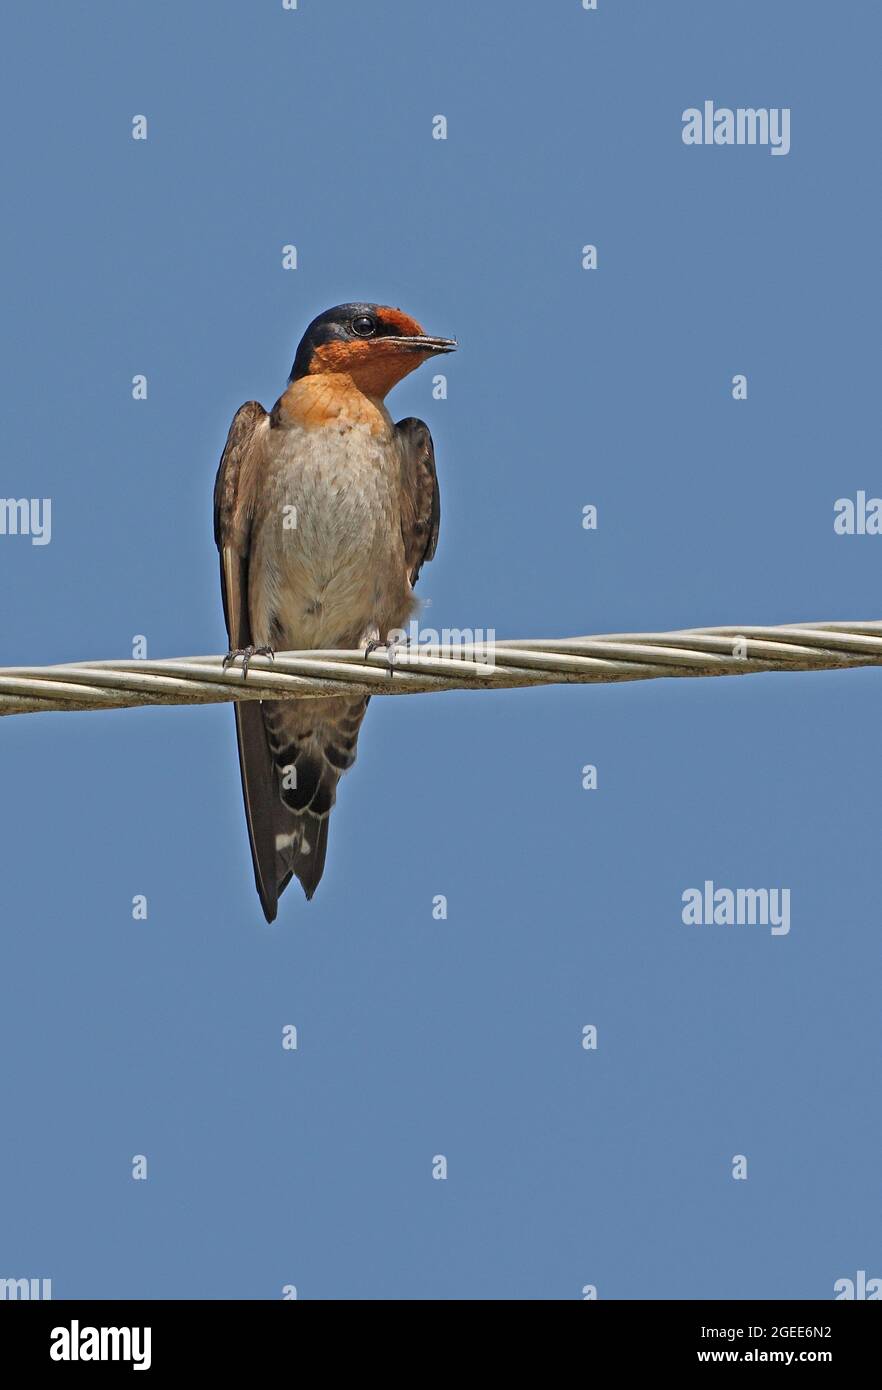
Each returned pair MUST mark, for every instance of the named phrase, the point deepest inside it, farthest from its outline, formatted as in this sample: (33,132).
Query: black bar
(228,1336)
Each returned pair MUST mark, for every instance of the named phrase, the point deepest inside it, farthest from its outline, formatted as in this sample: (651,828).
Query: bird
(325,512)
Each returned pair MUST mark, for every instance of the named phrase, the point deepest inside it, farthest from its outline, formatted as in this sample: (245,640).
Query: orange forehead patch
(402,323)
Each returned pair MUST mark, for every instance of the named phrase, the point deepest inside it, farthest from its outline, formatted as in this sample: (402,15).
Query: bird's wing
(233,509)
(420,497)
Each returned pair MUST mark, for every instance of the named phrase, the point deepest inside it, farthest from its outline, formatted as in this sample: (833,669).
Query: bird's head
(374,345)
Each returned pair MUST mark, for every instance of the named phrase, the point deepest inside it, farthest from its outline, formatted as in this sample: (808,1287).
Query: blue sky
(566,1167)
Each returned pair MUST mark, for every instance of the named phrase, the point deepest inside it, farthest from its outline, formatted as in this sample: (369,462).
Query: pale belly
(327,558)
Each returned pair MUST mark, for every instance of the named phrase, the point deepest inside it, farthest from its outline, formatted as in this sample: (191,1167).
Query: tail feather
(258,788)
(311,743)
(301,852)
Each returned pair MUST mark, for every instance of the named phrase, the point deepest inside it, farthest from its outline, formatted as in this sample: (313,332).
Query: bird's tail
(311,743)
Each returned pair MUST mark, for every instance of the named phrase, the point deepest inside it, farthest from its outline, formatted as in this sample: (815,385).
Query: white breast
(327,558)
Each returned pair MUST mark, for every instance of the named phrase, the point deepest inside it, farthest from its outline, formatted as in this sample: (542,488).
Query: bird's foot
(392,650)
(246,654)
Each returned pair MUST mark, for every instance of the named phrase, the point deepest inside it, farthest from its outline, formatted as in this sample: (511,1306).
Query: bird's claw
(391,649)
(246,654)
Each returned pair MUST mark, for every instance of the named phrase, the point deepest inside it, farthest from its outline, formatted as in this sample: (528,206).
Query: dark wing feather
(420,496)
(233,500)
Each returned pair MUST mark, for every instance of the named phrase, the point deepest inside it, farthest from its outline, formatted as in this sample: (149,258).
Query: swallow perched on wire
(324,513)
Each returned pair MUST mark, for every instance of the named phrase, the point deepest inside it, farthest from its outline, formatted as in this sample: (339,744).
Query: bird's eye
(364,325)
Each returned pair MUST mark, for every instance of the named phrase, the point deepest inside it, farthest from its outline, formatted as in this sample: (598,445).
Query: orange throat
(332,398)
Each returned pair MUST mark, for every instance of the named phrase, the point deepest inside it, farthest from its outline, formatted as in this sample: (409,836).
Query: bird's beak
(421,342)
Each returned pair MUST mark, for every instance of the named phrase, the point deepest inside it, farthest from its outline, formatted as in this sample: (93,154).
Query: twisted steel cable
(714,651)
